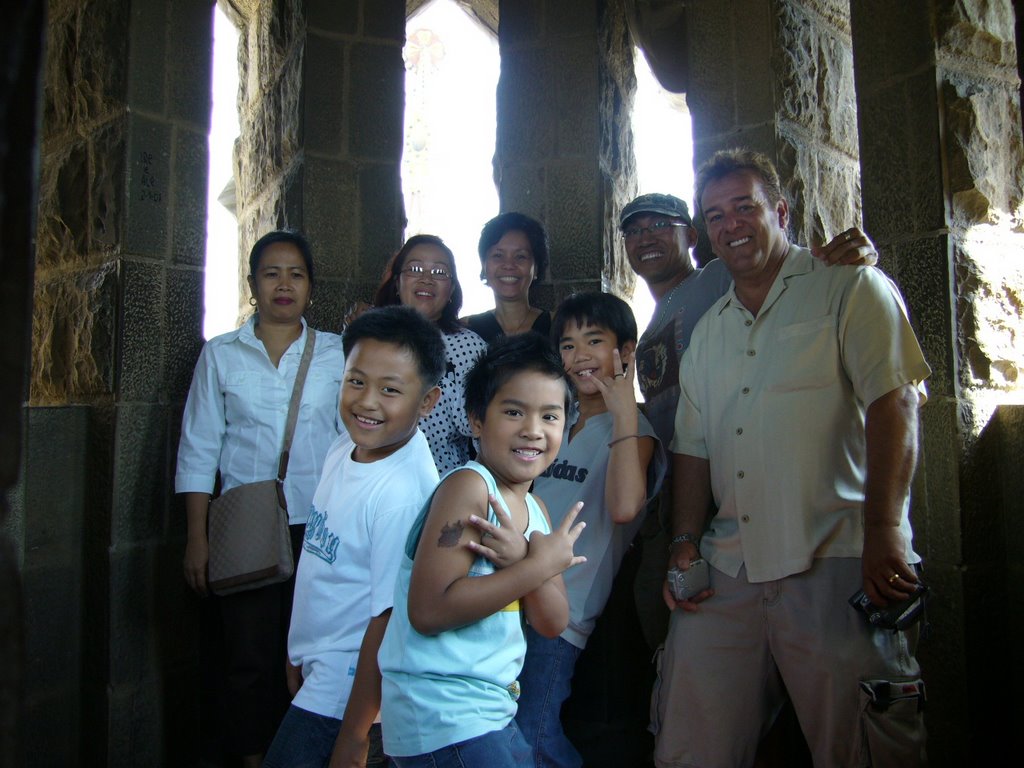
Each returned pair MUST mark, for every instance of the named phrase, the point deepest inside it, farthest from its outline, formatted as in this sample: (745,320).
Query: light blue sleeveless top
(446,688)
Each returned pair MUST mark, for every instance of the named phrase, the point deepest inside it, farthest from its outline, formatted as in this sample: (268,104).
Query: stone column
(322,104)
(117,328)
(564,145)
(776,76)
(940,134)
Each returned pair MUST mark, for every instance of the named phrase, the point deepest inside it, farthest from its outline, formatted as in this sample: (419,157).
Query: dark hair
(502,224)
(282,236)
(595,308)
(729,161)
(387,291)
(407,329)
(507,357)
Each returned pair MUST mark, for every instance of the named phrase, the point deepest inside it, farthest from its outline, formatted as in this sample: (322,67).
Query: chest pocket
(804,356)
(320,392)
(242,393)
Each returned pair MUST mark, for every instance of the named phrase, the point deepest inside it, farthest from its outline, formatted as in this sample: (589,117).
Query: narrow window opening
(452,65)
(663,144)
(222,267)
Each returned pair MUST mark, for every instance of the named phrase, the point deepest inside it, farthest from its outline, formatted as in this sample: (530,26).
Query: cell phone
(685,584)
(896,616)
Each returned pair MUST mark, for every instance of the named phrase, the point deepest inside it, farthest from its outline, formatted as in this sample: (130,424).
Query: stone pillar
(22,40)
(117,328)
(938,97)
(322,104)
(564,145)
(776,76)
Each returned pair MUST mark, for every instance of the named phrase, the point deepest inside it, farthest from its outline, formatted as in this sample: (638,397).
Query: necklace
(519,328)
(663,304)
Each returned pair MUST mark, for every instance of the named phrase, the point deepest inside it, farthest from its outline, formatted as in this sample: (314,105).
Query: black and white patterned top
(447,426)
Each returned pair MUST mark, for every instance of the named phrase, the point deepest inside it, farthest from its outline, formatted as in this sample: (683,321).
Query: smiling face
(747,231)
(424,292)
(509,267)
(281,284)
(660,257)
(588,352)
(382,398)
(522,428)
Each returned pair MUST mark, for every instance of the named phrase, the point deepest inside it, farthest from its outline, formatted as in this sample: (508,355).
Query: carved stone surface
(73,335)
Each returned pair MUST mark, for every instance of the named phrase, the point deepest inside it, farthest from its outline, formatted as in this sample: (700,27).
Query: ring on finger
(894,578)
(619,376)
(849,236)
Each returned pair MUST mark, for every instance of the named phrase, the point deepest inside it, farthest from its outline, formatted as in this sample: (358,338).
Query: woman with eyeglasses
(513,253)
(422,276)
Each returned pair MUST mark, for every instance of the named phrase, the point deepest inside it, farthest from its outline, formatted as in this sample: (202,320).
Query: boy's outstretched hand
(618,391)
(554,550)
(504,545)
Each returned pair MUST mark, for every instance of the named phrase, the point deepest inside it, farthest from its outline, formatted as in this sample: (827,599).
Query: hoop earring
(252,301)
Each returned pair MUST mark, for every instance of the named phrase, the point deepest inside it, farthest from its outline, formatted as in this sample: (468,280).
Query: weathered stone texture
(189,29)
(984,166)
(323,102)
(183,327)
(982,30)
(73,335)
(148,196)
(990,288)
(147,81)
(902,182)
(142,335)
(564,140)
(617,161)
(330,194)
(377,102)
(334,16)
(190,166)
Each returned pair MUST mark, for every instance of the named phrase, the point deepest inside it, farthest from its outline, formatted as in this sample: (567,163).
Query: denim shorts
(498,749)
(306,740)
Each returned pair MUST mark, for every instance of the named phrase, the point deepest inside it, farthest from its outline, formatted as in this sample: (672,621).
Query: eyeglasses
(417,270)
(657,228)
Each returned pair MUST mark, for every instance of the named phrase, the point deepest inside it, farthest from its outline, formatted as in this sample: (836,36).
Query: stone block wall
(322,104)
(564,145)
(938,94)
(116,332)
(777,76)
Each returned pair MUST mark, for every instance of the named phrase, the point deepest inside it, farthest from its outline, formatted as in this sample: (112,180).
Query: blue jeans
(305,740)
(546,683)
(498,749)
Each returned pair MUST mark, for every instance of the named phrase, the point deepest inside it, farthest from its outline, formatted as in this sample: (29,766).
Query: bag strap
(293,414)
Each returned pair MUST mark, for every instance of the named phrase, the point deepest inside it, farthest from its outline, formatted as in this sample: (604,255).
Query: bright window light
(221,289)
(451,75)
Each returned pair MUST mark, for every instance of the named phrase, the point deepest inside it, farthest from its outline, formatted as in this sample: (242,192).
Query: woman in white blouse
(234,424)
(422,275)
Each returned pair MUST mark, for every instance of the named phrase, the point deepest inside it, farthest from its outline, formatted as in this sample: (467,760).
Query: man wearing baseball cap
(658,233)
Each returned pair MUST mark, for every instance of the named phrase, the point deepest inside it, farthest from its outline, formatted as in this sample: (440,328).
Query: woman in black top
(513,253)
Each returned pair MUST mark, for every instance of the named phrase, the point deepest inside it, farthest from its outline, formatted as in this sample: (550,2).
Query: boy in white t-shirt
(375,480)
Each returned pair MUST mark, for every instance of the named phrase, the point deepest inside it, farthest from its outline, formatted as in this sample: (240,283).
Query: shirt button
(751,353)
(745,390)
(745,518)
(748,323)
(739,430)
(740,474)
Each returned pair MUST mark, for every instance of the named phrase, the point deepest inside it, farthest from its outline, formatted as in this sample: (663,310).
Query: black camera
(896,615)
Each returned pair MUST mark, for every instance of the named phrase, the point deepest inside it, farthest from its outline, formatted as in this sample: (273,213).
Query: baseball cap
(655,202)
